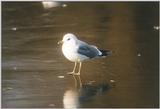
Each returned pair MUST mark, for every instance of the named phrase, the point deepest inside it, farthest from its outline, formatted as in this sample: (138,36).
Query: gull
(78,51)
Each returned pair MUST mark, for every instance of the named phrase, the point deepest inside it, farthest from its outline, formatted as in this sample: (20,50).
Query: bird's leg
(73,72)
(80,65)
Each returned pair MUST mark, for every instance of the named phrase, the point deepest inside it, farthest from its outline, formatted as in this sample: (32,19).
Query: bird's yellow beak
(60,42)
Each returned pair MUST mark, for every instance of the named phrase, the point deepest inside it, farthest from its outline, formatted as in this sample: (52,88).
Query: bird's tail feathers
(106,52)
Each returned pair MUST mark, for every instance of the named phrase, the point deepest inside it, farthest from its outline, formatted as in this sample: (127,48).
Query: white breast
(70,52)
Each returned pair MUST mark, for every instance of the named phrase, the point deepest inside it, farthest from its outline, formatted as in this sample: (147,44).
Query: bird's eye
(68,39)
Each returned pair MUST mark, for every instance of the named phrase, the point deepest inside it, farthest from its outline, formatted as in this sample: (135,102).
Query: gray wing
(87,50)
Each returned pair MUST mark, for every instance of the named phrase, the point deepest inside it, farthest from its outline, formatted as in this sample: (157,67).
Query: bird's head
(69,37)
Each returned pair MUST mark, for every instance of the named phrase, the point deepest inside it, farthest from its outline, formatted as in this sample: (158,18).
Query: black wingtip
(106,52)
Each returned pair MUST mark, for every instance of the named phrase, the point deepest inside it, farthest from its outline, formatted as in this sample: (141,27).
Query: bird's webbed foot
(71,73)
(76,74)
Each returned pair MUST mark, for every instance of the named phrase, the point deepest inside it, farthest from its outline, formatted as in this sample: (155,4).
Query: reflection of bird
(78,51)
(70,99)
(75,97)
(88,91)
(50,4)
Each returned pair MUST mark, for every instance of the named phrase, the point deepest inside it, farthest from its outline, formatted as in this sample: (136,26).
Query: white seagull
(77,51)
